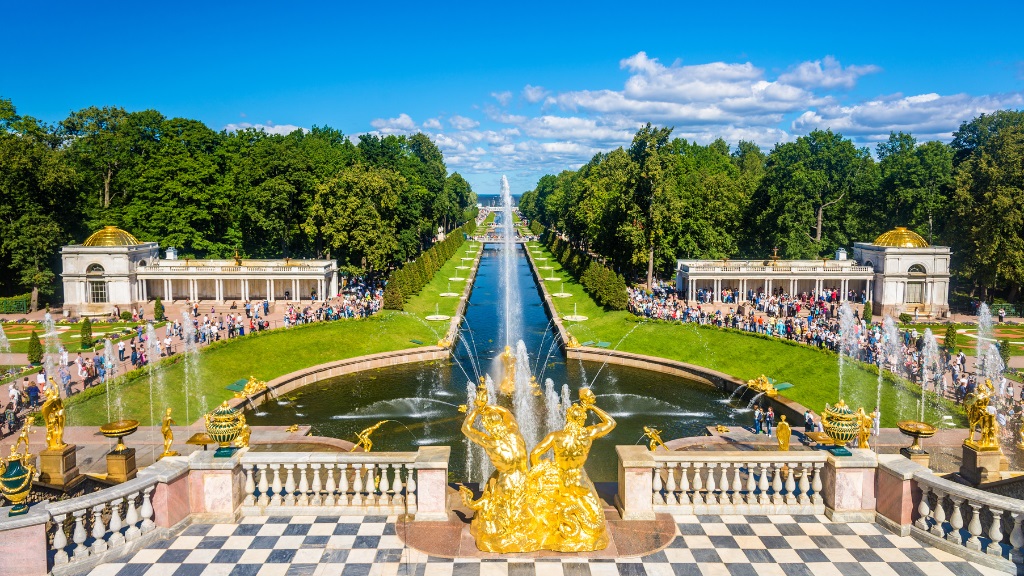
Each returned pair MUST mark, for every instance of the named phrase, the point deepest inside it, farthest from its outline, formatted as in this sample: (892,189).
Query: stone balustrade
(734,482)
(347,483)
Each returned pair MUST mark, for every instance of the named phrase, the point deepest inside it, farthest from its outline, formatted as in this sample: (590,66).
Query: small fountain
(449,293)
(190,351)
(51,346)
(437,316)
(847,340)
(574,317)
(562,293)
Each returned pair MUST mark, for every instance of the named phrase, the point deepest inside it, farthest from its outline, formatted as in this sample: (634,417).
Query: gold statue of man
(504,520)
(864,426)
(53,416)
(508,381)
(654,435)
(573,518)
(981,416)
(165,429)
(783,433)
(364,437)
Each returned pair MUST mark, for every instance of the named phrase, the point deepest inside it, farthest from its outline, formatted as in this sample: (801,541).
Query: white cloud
(827,73)
(403,124)
(503,98)
(462,123)
(269,127)
(534,94)
(432,124)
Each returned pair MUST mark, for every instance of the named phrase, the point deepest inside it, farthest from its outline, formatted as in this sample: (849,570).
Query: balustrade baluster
(147,511)
(384,486)
(762,485)
(316,488)
(116,538)
(974,527)
(656,496)
(737,485)
(343,487)
(995,533)
(289,484)
(939,514)
(777,497)
(751,496)
(275,487)
(99,545)
(264,485)
(711,486)
(670,484)
(723,484)
(956,520)
(816,485)
(370,486)
(803,486)
(357,486)
(684,484)
(410,489)
(60,540)
(698,485)
(303,497)
(79,536)
(791,484)
(132,519)
(1016,539)
(250,487)
(397,487)
(923,509)
(330,499)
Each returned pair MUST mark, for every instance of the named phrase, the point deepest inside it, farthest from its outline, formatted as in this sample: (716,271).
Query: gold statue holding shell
(53,416)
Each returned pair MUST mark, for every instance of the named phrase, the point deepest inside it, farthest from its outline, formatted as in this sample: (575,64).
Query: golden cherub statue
(53,416)
(864,426)
(655,437)
(364,437)
(242,440)
(783,432)
(165,429)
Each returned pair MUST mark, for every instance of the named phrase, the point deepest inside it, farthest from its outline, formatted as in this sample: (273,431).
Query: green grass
(814,373)
(18,333)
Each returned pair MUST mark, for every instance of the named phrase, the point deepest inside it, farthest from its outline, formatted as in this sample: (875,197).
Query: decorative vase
(223,425)
(15,484)
(840,423)
(118,430)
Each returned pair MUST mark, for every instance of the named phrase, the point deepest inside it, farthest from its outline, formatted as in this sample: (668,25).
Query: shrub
(87,341)
(1004,350)
(950,340)
(393,299)
(35,348)
(158,310)
(867,313)
(906,318)
(126,316)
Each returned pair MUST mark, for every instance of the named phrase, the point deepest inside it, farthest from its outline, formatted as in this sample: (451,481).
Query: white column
(870,296)
(334,284)
(295,290)
(270,292)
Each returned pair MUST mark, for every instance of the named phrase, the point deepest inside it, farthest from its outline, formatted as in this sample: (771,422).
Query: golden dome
(900,237)
(110,236)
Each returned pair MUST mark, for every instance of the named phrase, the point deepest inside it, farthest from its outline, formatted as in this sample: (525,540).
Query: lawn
(69,334)
(814,373)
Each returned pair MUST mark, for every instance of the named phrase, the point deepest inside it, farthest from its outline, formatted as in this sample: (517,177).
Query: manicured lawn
(69,334)
(814,374)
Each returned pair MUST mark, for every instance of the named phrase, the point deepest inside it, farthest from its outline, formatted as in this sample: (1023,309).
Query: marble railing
(346,483)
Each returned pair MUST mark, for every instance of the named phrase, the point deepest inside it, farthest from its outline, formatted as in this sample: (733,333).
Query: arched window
(916,269)
(97,284)
(142,263)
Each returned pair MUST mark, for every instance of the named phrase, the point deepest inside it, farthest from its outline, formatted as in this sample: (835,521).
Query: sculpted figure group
(532,502)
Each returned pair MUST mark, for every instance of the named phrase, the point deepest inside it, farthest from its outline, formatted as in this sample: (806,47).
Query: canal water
(421,399)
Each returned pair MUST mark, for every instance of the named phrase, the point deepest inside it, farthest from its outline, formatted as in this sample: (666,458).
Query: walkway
(371,545)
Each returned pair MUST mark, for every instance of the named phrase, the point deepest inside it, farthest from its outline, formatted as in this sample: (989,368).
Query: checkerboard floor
(705,545)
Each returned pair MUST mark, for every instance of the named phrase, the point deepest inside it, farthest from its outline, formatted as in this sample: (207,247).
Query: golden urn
(16,473)
(917,431)
(223,425)
(840,423)
(118,430)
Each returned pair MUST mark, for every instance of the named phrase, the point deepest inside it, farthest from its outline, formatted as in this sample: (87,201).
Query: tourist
(1002,315)
(769,420)
(758,417)
(14,394)
(33,394)
(808,421)
(11,418)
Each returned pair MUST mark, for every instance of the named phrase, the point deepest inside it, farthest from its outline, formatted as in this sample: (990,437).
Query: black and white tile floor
(705,545)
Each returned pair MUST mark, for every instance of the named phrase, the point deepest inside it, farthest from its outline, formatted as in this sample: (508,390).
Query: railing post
(849,487)
(896,491)
(216,486)
(23,542)
(636,483)
(170,499)
(431,483)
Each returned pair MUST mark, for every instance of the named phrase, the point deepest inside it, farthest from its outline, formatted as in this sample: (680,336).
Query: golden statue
(252,388)
(721,429)
(165,429)
(573,342)
(762,385)
(980,415)
(550,506)
(364,437)
(292,428)
(22,438)
(508,381)
(242,440)
(53,416)
(655,437)
(782,433)
(864,426)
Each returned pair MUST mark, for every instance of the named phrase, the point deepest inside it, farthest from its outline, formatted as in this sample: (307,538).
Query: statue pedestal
(918,457)
(121,465)
(980,464)
(58,467)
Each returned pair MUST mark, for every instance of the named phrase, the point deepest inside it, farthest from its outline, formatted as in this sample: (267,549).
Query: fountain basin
(561,295)
(118,430)
(457,279)
(449,294)
(916,430)
(553,279)
(438,317)
(574,318)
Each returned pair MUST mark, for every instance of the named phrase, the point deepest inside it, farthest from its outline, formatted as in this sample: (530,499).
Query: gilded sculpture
(16,473)
(242,440)
(508,381)
(252,387)
(783,432)
(531,503)
(364,440)
(165,429)
(762,385)
(981,417)
(864,426)
(654,435)
(53,416)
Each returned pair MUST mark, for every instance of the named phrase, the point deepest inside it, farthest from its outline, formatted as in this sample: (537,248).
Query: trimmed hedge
(606,287)
(15,304)
(35,348)
(537,228)
(408,280)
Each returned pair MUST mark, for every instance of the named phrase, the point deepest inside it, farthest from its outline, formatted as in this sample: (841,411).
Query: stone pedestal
(848,486)
(980,465)
(58,467)
(918,457)
(121,465)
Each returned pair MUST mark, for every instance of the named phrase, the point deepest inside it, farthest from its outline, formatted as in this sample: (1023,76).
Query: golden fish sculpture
(532,502)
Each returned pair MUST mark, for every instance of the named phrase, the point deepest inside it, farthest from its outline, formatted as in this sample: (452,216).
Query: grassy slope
(814,373)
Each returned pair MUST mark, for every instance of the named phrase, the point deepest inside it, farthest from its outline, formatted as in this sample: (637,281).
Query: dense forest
(370,205)
(664,198)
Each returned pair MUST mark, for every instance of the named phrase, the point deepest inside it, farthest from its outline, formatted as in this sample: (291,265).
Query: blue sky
(525,89)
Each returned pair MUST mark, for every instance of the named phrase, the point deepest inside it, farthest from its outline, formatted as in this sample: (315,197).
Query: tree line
(665,198)
(370,204)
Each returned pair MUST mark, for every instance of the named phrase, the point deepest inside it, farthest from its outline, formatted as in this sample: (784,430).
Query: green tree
(949,342)
(393,299)
(86,334)
(648,204)
(35,348)
(158,310)
(867,312)
(1004,350)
